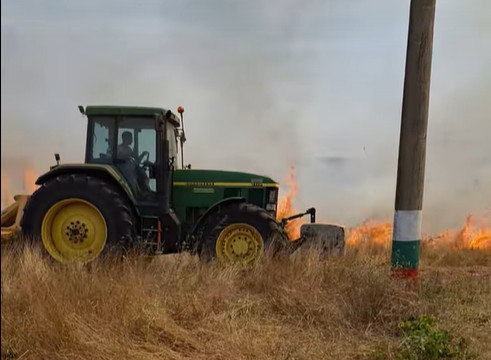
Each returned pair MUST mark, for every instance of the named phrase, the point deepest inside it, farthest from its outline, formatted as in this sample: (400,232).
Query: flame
(285,206)
(370,232)
(7,197)
(30,176)
(475,234)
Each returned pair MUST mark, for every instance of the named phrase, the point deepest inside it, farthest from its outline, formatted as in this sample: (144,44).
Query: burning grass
(175,307)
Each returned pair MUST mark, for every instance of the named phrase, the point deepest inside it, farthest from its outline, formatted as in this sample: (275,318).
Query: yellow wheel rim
(239,243)
(73,230)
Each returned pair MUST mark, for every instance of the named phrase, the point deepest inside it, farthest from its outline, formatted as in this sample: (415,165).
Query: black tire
(112,205)
(274,237)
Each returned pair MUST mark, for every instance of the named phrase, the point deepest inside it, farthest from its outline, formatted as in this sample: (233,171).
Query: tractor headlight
(271,200)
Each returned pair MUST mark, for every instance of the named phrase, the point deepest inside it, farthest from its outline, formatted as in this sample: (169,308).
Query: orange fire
(7,197)
(29,177)
(285,206)
(475,234)
(370,233)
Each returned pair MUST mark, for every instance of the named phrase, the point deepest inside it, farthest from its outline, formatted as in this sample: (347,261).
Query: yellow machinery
(12,216)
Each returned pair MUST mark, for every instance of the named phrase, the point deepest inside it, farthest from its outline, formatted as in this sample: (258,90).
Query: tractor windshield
(136,138)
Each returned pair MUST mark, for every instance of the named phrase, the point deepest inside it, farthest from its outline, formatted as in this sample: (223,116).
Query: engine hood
(197,177)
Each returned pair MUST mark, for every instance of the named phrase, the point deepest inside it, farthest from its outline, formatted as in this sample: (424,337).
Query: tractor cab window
(102,140)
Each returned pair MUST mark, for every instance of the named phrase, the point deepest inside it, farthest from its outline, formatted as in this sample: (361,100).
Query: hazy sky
(265,85)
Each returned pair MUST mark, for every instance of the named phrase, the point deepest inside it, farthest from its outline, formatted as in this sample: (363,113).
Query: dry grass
(175,307)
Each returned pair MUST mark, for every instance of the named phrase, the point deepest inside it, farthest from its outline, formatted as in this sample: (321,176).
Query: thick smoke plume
(317,85)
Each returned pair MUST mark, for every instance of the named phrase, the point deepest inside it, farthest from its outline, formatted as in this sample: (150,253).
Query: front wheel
(240,234)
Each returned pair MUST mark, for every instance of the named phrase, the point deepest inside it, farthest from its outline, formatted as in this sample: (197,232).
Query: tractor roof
(127,110)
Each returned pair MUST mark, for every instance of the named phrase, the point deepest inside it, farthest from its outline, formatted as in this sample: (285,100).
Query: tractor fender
(101,171)
(213,208)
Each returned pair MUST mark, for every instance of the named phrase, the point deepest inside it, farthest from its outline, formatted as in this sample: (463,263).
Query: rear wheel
(79,218)
(240,234)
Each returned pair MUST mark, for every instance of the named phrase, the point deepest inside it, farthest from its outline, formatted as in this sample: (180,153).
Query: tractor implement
(326,239)
(11,217)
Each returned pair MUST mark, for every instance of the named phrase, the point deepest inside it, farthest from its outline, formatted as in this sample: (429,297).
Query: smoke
(314,84)
(356,174)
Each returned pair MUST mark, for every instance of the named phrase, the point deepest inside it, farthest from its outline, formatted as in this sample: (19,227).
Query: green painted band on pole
(405,254)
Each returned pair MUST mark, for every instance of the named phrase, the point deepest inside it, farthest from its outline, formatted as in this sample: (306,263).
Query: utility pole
(412,144)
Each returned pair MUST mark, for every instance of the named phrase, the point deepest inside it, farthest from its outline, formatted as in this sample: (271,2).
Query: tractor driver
(135,175)
(125,151)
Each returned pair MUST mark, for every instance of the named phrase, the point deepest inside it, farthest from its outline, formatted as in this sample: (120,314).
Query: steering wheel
(142,156)
(145,163)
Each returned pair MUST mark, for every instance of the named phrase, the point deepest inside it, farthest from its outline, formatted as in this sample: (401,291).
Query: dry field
(175,307)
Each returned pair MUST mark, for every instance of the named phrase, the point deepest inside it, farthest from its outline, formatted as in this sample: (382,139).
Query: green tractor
(131,193)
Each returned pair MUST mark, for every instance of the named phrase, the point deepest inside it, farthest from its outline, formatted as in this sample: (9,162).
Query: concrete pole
(412,144)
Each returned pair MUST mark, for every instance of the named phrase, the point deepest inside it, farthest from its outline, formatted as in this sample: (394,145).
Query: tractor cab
(126,138)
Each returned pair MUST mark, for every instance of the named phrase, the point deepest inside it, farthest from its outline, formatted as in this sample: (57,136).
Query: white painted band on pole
(407,225)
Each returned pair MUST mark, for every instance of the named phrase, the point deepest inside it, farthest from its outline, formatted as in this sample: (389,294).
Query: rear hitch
(310,212)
